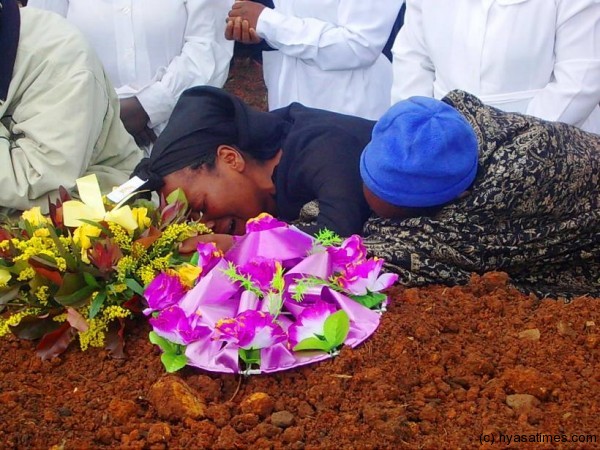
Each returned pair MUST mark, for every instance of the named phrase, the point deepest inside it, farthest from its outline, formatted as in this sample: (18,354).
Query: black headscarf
(10,24)
(204,118)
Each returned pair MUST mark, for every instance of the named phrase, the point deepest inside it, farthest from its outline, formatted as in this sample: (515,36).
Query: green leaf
(177,195)
(312,343)
(134,286)
(69,258)
(250,356)
(195,259)
(77,298)
(9,293)
(90,280)
(44,260)
(327,238)
(33,328)
(370,300)
(165,345)
(173,357)
(173,362)
(336,328)
(74,291)
(97,304)
(244,280)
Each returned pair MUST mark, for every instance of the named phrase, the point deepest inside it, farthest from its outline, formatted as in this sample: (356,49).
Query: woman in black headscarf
(466,188)
(234,162)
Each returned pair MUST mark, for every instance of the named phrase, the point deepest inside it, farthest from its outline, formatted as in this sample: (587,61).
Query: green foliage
(250,356)
(327,238)
(173,356)
(245,281)
(335,331)
(370,300)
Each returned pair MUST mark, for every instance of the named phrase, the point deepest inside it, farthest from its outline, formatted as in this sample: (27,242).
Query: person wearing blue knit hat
(460,188)
(422,154)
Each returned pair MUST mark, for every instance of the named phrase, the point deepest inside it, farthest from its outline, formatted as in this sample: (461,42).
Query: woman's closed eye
(231,229)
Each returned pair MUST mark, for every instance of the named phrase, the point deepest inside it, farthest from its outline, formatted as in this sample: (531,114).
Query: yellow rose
(41,232)
(82,237)
(5,277)
(35,217)
(141,216)
(83,234)
(188,274)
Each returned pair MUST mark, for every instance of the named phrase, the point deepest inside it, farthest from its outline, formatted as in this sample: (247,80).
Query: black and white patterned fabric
(533,211)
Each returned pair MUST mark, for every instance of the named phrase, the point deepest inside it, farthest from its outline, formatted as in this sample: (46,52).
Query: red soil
(448,368)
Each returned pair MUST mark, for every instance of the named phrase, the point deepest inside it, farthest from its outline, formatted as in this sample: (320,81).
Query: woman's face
(224,196)
(381,207)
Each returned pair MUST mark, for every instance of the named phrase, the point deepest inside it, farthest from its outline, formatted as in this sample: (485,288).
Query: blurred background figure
(536,57)
(152,50)
(327,54)
(59,114)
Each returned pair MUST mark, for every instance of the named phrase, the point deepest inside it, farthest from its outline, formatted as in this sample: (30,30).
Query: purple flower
(165,290)
(261,271)
(351,251)
(208,256)
(262,222)
(174,325)
(310,322)
(362,278)
(251,330)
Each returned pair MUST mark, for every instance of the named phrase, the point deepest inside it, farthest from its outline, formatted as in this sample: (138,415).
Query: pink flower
(262,222)
(164,291)
(352,251)
(310,322)
(173,325)
(261,271)
(362,278)
(251,330)
(208,256)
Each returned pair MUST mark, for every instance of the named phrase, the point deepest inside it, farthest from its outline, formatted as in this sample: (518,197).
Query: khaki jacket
(60,120)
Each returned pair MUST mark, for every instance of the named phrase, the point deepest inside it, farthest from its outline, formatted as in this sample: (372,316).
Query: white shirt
(154,49)
(329,54)
(538,57)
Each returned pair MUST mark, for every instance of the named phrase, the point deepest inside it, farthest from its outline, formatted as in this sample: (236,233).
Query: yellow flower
(42,294)
(189,273)
(5,277)
(26,274)
(41,232)
(92,207)
(82,236)
(141,216)
(35,217)
(15,319)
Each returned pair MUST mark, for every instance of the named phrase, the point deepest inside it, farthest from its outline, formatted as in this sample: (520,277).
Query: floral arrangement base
(278,299)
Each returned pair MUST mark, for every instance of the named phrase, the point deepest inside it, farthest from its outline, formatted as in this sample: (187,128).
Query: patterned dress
(533,211)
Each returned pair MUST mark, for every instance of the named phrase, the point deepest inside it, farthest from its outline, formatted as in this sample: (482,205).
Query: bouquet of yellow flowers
(81,271)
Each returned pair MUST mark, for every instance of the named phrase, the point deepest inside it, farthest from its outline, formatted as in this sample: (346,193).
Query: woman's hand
(135,119)
(223,241)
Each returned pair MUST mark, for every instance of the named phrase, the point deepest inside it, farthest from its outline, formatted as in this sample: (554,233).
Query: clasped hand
(242,21)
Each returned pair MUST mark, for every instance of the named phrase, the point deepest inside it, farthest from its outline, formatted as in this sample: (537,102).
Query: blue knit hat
(422,153)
